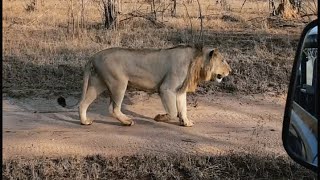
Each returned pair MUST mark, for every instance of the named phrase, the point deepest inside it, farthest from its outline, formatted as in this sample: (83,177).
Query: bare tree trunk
(287,10)
(110,13)
(191,29)
(120,6)
(71,20)
(82,23)
(201,22)
(272,7)
(174,8)
(153,10)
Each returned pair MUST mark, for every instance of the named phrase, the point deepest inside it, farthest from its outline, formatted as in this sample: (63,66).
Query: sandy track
(224,122)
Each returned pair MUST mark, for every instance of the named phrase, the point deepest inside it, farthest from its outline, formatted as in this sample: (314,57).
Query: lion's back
(145,68)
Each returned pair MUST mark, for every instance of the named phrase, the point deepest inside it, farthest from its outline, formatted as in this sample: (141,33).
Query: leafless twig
(243,4)
(149,17)
(191,29)
(201,22)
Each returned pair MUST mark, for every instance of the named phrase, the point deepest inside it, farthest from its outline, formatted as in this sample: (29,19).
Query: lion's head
(208,64)
(215,67)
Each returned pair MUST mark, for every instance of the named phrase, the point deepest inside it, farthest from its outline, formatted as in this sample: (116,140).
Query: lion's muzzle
(218,78)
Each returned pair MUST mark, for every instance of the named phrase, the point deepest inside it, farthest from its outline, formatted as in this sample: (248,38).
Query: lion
(171,72)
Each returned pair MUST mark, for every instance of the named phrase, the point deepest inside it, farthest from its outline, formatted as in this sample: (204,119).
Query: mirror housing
(302,110)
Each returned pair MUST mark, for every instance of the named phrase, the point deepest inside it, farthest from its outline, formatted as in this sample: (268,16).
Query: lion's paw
(128,122)
(162,118)
(87,122)
(186,123)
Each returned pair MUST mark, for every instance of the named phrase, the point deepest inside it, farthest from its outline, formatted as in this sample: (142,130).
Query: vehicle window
(305,93)
(303,130)
(311,55)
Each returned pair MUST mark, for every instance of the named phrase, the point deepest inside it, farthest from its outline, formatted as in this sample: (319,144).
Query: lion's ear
(211,53)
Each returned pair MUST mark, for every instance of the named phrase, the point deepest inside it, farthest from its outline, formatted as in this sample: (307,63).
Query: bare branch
(189,20)
(201,22)
(243,4)
(149,17)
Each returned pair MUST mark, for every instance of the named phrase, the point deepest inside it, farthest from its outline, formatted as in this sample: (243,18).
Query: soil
(224,122)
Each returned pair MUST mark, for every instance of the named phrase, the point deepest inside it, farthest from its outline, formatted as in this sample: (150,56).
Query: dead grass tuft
(41,53)
(231,166)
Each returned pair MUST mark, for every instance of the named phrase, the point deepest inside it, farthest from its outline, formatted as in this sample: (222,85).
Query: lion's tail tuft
(62,101)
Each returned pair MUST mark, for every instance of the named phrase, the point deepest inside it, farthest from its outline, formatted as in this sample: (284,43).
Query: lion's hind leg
(117,90)
(95,88)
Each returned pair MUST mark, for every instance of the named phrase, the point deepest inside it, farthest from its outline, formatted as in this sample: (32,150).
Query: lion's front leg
(182,110)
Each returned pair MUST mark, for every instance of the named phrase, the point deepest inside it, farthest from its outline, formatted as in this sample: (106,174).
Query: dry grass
(42,53)
(42,56)
(231,166)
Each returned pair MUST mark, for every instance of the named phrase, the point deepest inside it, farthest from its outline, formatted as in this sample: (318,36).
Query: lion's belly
(143,83)
(146,75)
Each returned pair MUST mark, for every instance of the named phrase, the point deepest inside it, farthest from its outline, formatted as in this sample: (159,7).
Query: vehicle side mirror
(300,123)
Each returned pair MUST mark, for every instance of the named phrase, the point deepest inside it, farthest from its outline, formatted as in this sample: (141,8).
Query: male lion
(172,72)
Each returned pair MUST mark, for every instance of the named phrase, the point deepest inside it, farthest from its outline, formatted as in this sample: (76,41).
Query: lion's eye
(219,76)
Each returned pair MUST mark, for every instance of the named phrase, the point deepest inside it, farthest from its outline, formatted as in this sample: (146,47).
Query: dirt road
(223,122)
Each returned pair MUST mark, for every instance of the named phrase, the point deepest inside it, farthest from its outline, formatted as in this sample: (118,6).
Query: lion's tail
(87,71)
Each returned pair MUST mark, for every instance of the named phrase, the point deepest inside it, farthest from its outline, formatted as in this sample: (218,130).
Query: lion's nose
(219,76)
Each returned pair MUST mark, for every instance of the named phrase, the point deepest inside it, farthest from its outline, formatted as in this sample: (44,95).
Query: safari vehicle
(302,111)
